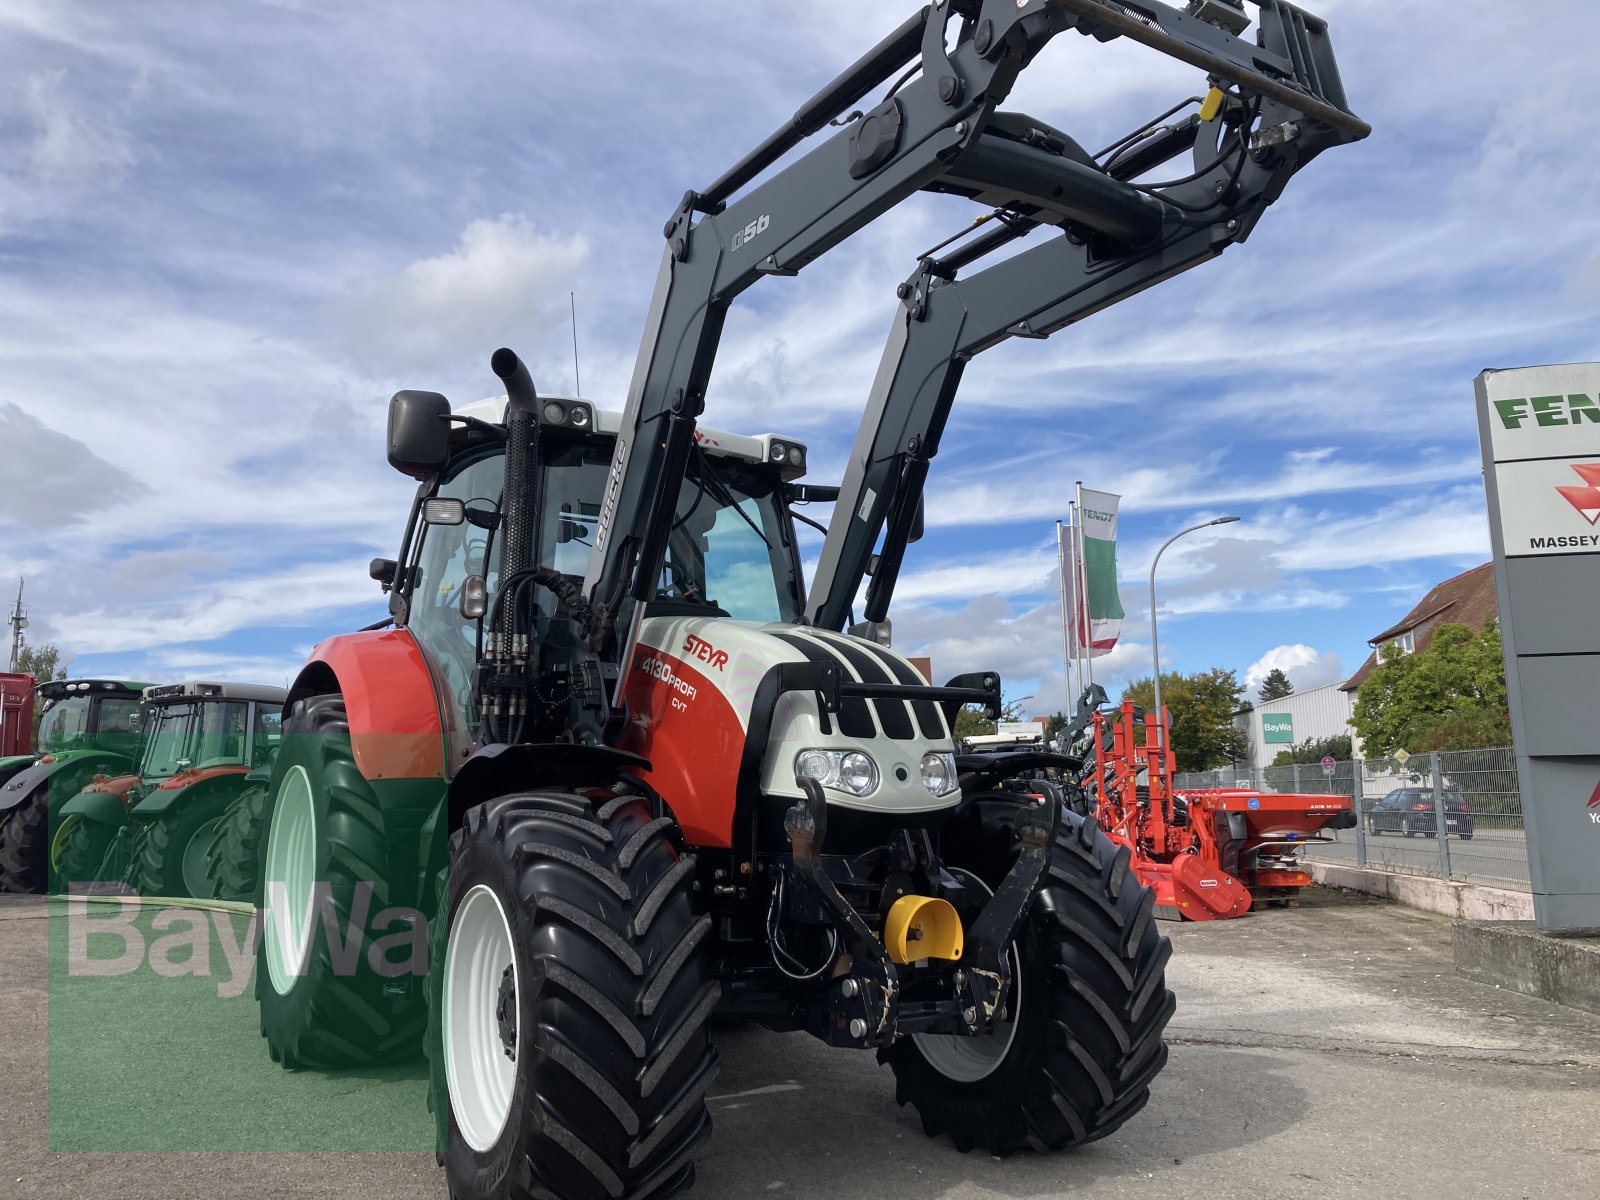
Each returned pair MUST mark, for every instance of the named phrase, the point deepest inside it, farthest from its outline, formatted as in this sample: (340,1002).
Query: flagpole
(1083,592)
(1066,632)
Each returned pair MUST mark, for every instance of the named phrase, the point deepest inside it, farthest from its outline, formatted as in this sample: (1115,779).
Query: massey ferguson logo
(706,652)
(750,231)
(1585,499)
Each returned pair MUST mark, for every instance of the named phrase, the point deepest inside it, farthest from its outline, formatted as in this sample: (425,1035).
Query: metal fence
(1471,797)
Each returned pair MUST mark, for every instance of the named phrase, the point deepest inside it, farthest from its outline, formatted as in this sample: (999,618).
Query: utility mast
(18,620)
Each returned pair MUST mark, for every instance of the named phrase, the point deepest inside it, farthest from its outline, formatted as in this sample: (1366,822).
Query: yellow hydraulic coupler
(920,927)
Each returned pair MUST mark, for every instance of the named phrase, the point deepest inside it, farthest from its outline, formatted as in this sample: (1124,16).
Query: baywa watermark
(180,939)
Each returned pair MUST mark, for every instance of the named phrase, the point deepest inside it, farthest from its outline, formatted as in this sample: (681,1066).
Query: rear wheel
(233,860)
(568,1003)
(324,867)
(169,853)
(1090,1003)
(25,843)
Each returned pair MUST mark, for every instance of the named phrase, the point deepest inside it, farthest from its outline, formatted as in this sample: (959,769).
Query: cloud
(503,281)
(1306,668)
(55,480)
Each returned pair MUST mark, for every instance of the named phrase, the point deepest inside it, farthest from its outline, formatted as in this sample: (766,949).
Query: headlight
(939,772)
(848,771)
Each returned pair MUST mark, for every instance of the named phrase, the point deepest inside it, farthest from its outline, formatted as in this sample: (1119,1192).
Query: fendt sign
(1540,432)
(1545,453)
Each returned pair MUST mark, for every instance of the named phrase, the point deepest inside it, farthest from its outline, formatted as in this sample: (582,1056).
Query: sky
(229,232)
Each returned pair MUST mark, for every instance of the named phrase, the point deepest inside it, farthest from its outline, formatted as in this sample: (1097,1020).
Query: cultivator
(1208,853)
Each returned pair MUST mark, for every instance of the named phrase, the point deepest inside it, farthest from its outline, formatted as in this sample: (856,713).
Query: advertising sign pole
(1539,428)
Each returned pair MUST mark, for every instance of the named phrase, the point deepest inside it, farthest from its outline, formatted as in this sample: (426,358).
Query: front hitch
(861,1004)
(983,980)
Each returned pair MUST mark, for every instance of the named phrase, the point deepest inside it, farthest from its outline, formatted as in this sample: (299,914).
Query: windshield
(65,724)
(169,733)
(728,551)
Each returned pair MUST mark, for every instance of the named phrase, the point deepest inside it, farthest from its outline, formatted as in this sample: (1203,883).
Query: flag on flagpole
(1097,535)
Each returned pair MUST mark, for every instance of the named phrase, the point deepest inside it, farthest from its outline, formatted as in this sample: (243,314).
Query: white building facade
(1282,724)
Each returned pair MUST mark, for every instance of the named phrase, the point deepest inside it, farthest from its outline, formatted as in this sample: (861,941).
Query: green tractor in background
(89,727)
(206,748)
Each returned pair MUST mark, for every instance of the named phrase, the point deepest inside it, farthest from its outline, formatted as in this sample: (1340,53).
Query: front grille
(898,720)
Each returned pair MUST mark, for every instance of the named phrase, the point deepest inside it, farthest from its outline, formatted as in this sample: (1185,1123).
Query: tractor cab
(731,553)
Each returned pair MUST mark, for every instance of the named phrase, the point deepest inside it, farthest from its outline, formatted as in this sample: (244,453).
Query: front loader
(618,792)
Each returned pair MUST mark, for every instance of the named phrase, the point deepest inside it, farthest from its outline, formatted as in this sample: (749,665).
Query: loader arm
(936,132)
(943,321)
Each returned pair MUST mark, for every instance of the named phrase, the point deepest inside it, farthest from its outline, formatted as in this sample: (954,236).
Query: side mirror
(419,433)
(474,597)
(916,524)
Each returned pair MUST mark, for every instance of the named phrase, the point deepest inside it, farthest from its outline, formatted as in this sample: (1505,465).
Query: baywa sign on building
(1277,727)
(1546,451)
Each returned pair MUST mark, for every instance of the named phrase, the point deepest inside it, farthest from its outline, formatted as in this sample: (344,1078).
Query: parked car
(1409,810)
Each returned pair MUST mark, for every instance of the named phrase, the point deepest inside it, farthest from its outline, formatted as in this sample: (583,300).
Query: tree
(971,722)
(1451,696)
(1201,706)
(1057,722)
(44,662)
(1314,750)
(1276,685)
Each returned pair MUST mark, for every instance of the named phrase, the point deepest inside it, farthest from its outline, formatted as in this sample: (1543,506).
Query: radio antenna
(577,384)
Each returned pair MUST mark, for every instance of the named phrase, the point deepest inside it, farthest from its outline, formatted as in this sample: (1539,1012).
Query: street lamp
(1155,644)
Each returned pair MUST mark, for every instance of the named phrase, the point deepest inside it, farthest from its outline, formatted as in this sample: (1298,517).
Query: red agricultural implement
(1207,852)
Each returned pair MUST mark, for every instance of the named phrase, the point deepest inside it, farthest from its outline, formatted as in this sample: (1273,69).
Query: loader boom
(937,132)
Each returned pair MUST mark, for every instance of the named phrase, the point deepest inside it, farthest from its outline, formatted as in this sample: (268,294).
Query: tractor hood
(708,707)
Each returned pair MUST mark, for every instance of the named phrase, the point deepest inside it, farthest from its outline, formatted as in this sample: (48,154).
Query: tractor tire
(25,843)
(324,863)
(170,853)
(81,855)
(233,860)
(568,1003)
(1091,1001)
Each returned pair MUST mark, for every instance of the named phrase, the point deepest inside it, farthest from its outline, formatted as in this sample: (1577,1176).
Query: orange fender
(395,728)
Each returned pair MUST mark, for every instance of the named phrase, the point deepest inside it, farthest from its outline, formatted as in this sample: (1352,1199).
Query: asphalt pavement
(1497,857)
(1324,1051)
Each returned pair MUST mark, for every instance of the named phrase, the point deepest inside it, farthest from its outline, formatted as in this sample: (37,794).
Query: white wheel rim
(196,870)
(289,882)
(480,1075)
(969,1059)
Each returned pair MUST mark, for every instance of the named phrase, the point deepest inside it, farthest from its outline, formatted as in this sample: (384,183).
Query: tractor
(154,828)
(615,768)
(88,727)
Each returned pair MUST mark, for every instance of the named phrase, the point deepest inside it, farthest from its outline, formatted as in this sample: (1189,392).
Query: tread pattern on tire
(1093,924)
(330,1020)
(234,857)
(623,1063)
(82,854)
(25,843)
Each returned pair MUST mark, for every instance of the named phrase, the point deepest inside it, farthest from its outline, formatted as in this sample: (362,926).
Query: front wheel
(25,843)
(169,853)
(331,996)
(1088,1006)
(78,853)
(568,1003)
(1405,827)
